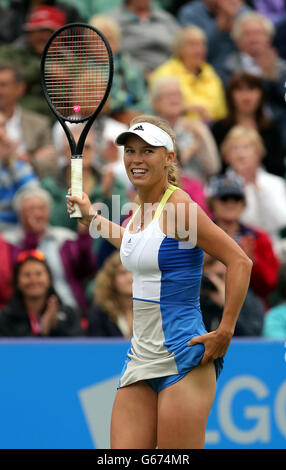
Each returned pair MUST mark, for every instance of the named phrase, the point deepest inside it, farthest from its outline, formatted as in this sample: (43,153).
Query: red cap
(45,17)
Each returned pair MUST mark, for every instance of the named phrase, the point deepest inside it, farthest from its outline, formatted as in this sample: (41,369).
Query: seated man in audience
(216,18)
(147,33)
(15,176)
(26,52)
(30,131)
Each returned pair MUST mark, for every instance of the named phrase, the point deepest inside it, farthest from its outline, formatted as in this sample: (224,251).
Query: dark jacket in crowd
(15,322)
(101,324)
(250,320)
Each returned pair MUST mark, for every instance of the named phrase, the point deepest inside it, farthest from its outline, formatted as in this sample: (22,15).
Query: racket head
(76,72)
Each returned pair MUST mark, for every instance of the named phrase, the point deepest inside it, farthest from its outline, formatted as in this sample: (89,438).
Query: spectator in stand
(15,16)
(5,272)
(15,176)
(265,193)
(227,201)
(35,308)
(26,52)
(69,254)
(246,103)
(99,180)
(216,18)
(128,95)
(202,89)
(112,311)
(199,157)
(253,34)
(148,33)
(275,318)
(30,131)
(212,299)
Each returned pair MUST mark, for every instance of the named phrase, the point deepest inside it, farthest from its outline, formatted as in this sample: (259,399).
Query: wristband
(93,233)
(94,217)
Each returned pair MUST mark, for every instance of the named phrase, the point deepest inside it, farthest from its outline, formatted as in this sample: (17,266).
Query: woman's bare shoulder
(180,196)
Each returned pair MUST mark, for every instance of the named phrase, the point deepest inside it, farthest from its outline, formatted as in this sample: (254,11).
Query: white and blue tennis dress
(166,305)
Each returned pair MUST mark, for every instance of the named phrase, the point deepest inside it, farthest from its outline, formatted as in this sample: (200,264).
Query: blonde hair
(164,125)
(238,132)
(35,192)
(251,16)
(106,25)
(155,87)
(183,33)
(105,293)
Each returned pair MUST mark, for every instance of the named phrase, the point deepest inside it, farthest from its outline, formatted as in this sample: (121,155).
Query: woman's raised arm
(96,222)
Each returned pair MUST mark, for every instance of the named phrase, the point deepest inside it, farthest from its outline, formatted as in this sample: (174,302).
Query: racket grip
(76,182)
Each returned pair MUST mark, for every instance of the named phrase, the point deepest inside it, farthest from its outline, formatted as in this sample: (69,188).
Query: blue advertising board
(250,407)
(58,394)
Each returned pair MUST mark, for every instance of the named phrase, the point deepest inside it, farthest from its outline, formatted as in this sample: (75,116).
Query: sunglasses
(231,197)
(36,254)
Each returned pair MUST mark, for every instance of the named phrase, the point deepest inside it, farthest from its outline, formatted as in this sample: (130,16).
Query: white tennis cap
(150,133)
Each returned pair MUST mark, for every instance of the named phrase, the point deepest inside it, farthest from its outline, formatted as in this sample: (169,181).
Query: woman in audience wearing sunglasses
(35,309)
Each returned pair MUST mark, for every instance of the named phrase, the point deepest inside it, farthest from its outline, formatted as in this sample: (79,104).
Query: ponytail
(172,174)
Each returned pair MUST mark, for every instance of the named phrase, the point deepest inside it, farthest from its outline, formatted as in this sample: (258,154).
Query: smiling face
(33,279)
(254,38)
(145,164)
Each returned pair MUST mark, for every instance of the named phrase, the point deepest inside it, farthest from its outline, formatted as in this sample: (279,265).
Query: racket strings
(77,69)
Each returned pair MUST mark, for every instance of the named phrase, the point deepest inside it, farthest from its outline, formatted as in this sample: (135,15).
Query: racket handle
(76,182)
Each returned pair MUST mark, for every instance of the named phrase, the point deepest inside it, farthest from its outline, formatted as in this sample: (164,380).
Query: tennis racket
(76,77)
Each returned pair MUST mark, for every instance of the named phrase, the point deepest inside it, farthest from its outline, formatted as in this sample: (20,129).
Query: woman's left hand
(216,344)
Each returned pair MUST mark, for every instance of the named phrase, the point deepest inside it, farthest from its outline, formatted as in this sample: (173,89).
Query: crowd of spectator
(216,71)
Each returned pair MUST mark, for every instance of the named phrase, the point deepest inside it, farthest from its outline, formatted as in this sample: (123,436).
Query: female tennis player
(167,385)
